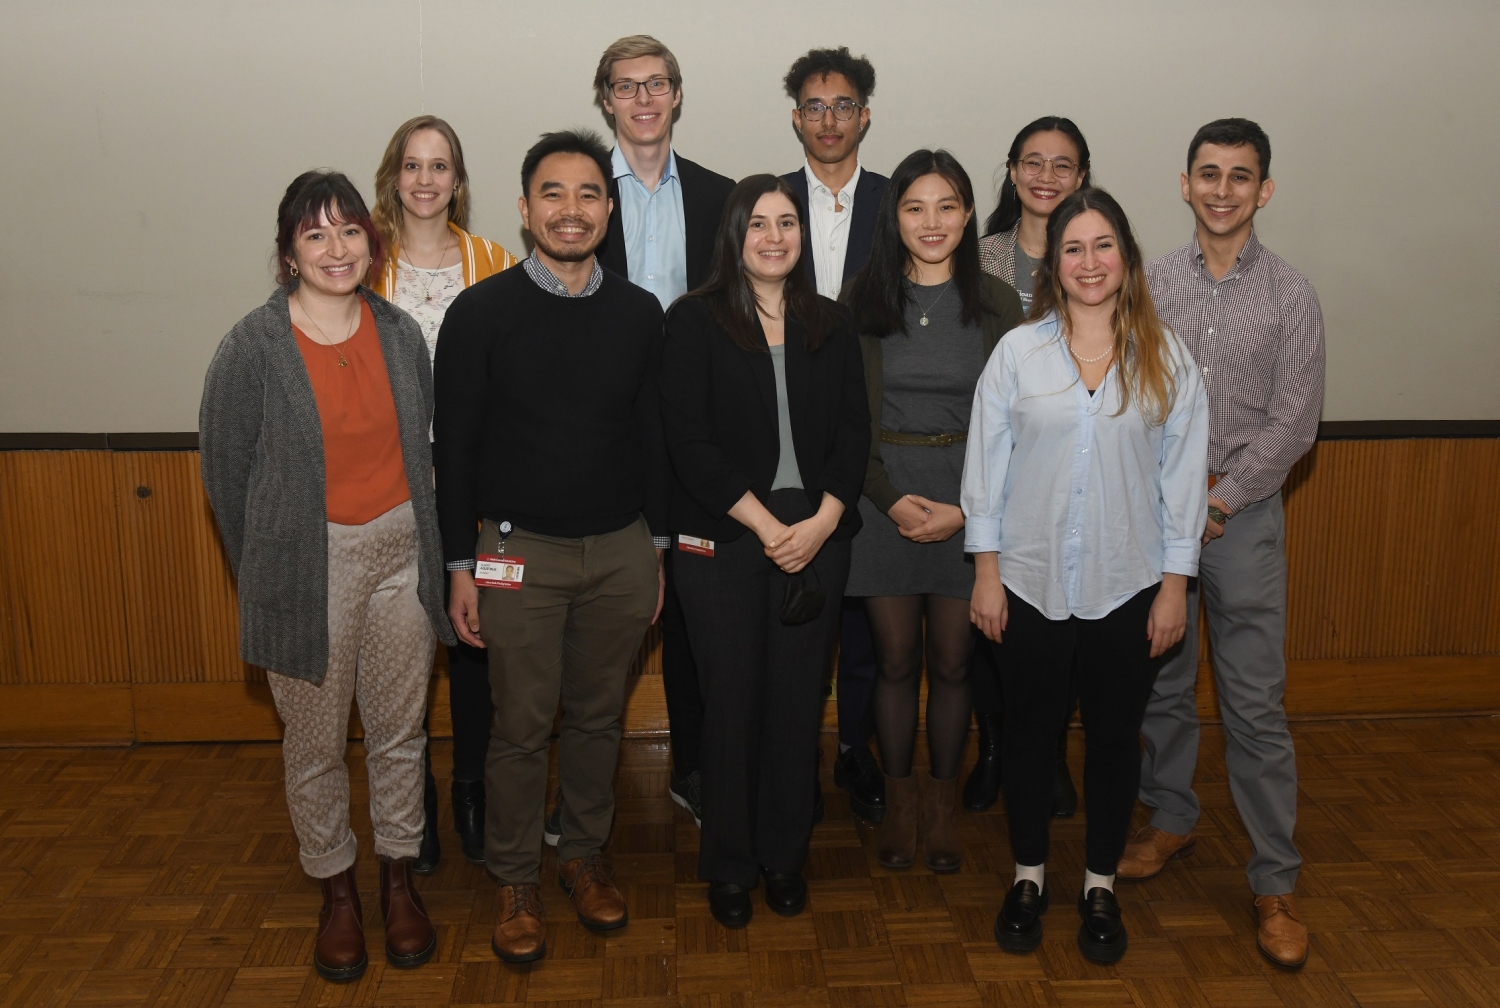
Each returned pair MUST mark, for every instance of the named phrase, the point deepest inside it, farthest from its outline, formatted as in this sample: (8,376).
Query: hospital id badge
(501,571)
(692,544)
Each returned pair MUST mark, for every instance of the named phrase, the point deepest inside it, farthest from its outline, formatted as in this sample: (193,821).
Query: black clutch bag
(804,597)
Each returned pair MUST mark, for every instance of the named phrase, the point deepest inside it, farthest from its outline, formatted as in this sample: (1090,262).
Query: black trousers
(762,685)
(679,679)
(856,676)
(1107,664)
(984,678)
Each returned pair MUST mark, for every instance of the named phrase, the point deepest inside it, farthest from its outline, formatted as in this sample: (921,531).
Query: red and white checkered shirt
(1257,336)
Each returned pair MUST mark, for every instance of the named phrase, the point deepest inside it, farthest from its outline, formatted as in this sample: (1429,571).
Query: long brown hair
(387,212)
(1140,343)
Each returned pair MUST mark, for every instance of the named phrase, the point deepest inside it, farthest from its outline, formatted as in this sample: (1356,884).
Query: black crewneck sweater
(547,413)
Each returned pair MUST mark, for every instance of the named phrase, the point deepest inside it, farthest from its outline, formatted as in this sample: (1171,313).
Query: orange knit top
(362,461)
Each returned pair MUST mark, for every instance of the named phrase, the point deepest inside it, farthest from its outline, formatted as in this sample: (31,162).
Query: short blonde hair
(633,47)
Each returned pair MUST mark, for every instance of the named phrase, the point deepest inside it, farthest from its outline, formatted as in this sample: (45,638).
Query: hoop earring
(295,273)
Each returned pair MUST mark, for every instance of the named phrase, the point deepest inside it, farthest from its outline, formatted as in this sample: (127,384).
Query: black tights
(896,626)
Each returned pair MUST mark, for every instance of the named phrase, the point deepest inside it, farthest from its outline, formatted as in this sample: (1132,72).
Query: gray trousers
(1242,576)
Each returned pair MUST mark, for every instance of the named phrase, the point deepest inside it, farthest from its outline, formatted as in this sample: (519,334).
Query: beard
(566,253)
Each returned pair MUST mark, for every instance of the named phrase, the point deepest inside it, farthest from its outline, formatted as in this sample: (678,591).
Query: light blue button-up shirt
(655,230)
(1085,508)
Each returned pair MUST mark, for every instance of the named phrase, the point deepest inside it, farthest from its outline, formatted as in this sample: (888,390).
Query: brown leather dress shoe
(409,937)
(340,951)
(520,932)
(590,883)
(1150,850)
(1282,936)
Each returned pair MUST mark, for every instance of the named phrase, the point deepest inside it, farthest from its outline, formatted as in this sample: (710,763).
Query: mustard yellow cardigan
(480,257)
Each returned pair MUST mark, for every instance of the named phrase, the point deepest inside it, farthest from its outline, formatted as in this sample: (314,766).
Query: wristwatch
(1217,515)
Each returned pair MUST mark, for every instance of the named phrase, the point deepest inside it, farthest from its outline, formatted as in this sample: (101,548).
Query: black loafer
(729,903)
(431,851)
(982,789)
(786,892)
(1101,936)
(1018,925)
(468,818)
(1064,794)
(856,771)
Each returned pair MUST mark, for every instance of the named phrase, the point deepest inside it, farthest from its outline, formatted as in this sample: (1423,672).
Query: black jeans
(679,678)
(1107,664)
(762,687)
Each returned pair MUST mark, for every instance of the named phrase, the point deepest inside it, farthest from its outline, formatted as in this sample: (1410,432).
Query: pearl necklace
(1089,360)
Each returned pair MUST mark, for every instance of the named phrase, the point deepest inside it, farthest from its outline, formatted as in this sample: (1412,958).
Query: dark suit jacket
(719,417)
(867,196)
(703,196)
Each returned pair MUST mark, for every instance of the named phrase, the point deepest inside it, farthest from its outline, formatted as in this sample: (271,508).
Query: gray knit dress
(929,377)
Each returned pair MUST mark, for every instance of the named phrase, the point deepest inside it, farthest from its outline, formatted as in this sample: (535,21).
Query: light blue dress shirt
(655,230)
(1085,508)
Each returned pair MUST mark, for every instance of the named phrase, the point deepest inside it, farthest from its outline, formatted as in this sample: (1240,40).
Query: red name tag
(692,544)
(502,571)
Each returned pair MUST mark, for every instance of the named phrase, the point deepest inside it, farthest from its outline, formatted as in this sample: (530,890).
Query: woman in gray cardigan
(316,459)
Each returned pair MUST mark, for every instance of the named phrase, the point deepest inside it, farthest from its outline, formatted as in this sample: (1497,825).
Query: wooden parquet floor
(167,876)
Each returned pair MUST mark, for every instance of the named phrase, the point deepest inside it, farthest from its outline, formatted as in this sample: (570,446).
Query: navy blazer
(867,197)
(703,196)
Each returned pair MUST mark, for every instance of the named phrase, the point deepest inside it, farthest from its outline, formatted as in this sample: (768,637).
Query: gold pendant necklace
(335,347)
(427,281)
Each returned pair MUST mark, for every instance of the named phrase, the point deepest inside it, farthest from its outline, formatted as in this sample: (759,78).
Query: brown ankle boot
(896,837)
(945,853)
(340,951)
(409,937)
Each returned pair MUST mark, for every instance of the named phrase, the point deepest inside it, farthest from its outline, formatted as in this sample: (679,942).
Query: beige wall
(146,144)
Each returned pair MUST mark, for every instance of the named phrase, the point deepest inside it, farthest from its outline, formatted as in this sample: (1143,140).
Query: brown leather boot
(1282,936)
(590,883)
(1150,850)
(520,930)
(945,852)
(340,951)
(896,837)
(409,937)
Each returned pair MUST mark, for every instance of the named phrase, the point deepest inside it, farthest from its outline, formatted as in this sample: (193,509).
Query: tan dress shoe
(1282,936)
(520,932)
(1148,853)
(590,884)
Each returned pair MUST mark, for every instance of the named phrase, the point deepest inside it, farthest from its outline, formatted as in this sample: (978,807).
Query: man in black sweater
(547,430)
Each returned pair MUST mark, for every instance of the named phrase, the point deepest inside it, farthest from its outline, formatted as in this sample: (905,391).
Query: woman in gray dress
(928,319)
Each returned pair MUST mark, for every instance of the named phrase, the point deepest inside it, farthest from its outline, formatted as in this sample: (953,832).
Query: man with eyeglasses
(661,236)
(839,199)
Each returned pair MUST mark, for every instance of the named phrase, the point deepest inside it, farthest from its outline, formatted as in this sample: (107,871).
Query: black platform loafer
(729,903)
(468,818)
(786,892)
(1018,925)
(1101,936)
(856,771)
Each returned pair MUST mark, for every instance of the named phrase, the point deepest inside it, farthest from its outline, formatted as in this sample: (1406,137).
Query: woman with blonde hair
(1084,490)
(421,211)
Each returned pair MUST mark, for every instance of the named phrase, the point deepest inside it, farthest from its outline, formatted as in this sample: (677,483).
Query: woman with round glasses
(421,210)
(1048,162)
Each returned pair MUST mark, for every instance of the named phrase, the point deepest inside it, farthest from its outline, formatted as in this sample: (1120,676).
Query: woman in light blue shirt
(1084,492)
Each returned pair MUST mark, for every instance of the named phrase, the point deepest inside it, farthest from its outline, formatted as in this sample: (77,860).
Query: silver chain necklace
(935,301)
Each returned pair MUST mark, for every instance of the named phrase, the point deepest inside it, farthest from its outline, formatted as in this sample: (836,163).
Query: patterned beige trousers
(380,648)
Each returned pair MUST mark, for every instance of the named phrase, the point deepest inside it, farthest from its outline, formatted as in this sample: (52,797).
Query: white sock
(1031,872)
(1092,881)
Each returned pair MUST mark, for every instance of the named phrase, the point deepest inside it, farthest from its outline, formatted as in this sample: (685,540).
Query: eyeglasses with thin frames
(1061,167)
(843,109)
(655,87)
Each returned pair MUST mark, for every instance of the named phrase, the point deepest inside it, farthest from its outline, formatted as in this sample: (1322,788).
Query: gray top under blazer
(262,454)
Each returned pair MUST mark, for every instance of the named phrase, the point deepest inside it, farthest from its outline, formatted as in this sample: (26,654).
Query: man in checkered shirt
(1255,328)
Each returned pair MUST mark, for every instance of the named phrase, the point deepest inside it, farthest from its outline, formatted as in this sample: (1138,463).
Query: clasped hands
(792,547)
(925,521)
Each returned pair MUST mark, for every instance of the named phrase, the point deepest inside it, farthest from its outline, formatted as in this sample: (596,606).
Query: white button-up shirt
(830,228)
(1085,508)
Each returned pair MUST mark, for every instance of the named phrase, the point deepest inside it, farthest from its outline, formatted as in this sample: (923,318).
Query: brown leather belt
(922,440)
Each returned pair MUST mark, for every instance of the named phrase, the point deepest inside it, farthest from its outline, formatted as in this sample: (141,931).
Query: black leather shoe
(1018,925)
(729,903)
(786,893)
(431,851)
(687,791)
(468,818)
(1101,936)
(1064,794)
(982,789)
(856,771)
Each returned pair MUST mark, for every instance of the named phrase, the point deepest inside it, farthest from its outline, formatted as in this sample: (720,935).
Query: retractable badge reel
(500,570)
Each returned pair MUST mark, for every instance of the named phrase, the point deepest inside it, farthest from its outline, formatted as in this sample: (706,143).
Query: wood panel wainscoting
(118,619)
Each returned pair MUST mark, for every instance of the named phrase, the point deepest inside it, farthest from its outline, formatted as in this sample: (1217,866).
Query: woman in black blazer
(766,420)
